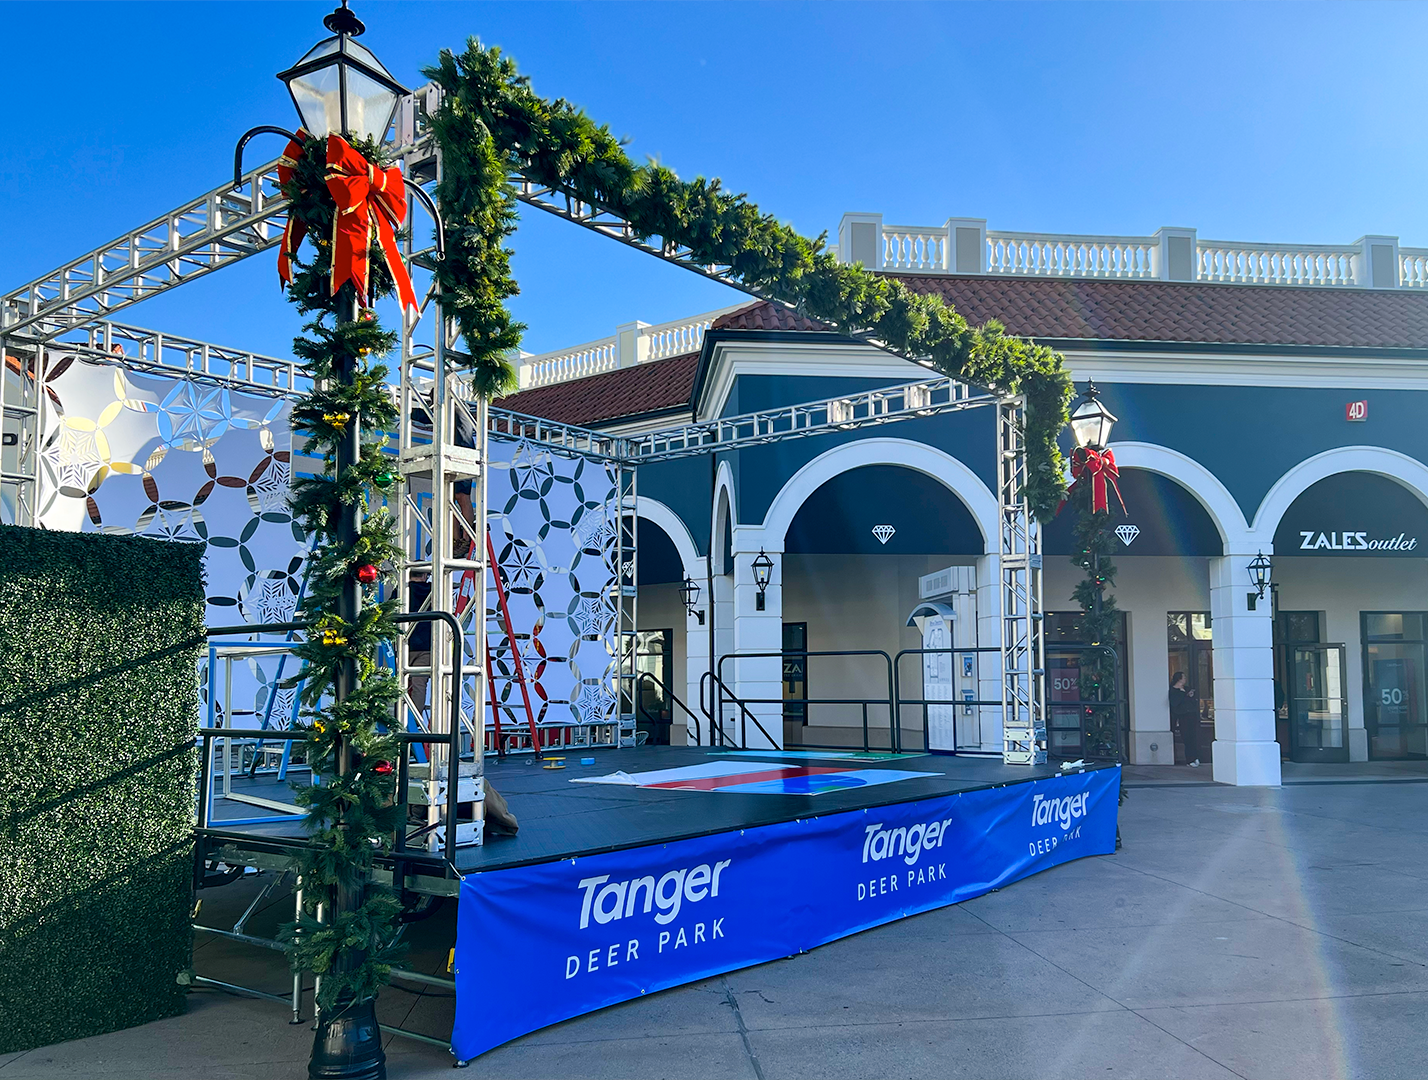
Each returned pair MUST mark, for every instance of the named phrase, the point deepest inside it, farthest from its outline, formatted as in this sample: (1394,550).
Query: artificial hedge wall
(99,641)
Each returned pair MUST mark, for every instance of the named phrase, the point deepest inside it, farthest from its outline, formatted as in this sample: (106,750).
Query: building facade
(1270,400)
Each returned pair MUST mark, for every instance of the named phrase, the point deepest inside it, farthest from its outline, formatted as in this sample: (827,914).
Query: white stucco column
(1246,752)
(756,631)
(696,652)
(989,664)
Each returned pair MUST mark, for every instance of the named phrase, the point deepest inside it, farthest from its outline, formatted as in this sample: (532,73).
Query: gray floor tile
(1110,1045)
(1221,963)
(863,980)
(712,1056)
(1377,1036)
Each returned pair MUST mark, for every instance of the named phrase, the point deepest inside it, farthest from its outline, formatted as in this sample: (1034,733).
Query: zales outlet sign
(1350,515)
(1309,540)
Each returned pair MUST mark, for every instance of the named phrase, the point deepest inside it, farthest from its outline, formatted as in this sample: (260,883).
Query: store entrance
(1317,708)
(1192,696)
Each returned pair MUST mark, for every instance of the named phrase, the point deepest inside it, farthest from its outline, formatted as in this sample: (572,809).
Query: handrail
(925,702)
(719,704)
(640,705)
(453,738)
(894,739)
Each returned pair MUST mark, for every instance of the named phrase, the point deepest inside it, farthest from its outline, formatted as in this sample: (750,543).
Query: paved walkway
(1253,933)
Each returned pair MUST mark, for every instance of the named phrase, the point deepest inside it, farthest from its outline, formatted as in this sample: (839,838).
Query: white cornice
(733,358)
(1250,369)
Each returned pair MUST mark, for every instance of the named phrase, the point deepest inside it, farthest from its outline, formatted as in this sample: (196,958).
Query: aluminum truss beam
(1019,598)
(190,241)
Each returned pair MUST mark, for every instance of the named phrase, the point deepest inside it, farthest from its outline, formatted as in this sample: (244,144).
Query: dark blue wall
(838,518)
(1171,520)
(1250,436)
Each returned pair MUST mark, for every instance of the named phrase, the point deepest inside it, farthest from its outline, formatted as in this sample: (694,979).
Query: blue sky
(1249,122)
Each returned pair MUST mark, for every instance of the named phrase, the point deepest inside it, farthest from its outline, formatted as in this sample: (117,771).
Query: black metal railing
(865,703)
(399,858)
(926,703)
(659,721)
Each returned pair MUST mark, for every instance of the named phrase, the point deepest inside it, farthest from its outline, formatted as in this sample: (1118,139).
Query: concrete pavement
(1240,932)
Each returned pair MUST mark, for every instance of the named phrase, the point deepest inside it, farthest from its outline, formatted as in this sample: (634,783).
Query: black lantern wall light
(689,593)
(1259,571)
(763,572)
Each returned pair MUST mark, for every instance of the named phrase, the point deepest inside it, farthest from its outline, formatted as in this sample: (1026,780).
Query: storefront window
(1076,726)
(1394,676)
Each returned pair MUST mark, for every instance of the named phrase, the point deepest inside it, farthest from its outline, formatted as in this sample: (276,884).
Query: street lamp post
(340,88)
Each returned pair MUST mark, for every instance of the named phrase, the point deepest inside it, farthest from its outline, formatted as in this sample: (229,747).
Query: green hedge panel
(99,639)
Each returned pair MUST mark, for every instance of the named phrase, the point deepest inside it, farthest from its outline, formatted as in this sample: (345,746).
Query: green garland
(1094,540)
(491,124)
(352,817)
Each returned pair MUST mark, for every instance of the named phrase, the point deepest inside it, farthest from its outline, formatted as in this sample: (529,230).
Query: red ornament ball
(367,573)
(384,768)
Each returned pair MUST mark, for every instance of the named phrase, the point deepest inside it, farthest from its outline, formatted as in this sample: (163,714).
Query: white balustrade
(1276,264)
(906,248)
(1413,268)
(1048,255)
(676,338)
(589,359)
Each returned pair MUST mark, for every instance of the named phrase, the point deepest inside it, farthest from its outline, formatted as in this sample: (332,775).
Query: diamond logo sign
(884,533)
(1127,533)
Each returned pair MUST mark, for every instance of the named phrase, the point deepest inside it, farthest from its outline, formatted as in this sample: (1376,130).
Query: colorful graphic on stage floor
(755,778)
(579,934)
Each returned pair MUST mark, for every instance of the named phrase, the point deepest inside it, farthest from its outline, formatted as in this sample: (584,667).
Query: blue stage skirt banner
(539,944)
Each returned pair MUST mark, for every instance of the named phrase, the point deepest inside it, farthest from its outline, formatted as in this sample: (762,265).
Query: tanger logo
(908,841)
(1063,811)
(618,899)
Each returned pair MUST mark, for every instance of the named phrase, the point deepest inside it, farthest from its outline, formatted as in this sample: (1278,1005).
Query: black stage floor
(561,820)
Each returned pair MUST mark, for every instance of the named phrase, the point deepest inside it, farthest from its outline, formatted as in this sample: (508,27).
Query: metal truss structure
(68,309)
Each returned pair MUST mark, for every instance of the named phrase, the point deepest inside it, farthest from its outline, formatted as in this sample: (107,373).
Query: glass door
(1190,652)
(654,652)
(1318,708)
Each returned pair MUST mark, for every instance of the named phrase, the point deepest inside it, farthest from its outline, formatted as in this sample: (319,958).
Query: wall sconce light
(763,570)
(689,592)
(1259,569)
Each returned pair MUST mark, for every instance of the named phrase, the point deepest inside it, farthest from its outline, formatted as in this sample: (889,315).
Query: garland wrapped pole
(1094,476)
(344,196)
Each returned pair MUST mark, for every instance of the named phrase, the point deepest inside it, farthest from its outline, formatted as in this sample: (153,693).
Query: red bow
(1100,467)
(369,201)
(294,230)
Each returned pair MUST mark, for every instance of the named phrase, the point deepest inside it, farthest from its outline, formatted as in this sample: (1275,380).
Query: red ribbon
(294,230)
(1098,467)
(370,202)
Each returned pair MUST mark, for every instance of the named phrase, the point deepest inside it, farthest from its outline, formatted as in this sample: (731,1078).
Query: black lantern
(1259,569)
(689,593)
(763,569)
(1091,422)
(340,88)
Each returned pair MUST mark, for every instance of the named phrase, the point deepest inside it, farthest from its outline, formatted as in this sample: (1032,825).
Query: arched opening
(660,645)
(1351,621)
(860,554)
(1165,541)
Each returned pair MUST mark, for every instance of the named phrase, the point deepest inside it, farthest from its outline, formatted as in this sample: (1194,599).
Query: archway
(867,533)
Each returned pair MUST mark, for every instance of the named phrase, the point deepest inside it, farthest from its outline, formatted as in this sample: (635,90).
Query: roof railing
(967,246)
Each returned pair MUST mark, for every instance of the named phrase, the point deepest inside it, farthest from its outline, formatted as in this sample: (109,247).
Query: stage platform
(562,819)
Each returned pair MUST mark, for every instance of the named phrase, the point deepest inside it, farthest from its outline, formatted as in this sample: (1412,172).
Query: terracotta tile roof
(762,315)
(1087,309)
(633,391)
(1189,312)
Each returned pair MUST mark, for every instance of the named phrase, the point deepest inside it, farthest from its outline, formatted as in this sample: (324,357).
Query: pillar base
(1247,764)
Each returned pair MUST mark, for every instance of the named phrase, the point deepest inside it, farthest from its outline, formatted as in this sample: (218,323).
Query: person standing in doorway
(1185,717)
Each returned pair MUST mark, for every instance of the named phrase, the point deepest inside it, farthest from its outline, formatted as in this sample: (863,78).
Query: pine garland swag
(1094,542)
(351,817)
(491,124)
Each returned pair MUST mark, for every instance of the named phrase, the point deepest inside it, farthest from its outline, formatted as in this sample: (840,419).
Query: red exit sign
(1356,410)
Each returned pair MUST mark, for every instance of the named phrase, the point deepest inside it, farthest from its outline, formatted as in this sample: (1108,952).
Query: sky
(1277,122)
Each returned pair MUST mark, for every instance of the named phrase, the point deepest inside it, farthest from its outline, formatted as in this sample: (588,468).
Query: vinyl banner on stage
(540,944)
